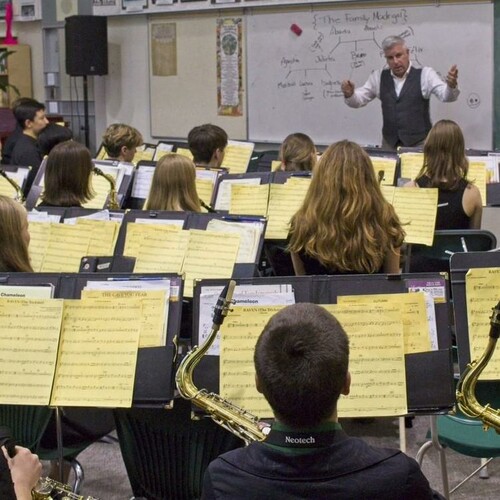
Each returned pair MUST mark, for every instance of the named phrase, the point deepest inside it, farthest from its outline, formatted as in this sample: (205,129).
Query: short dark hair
(26,110)
(301,360)
(52,135)
(204,140)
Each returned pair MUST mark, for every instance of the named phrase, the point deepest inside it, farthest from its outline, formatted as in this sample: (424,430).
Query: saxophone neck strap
(304,439)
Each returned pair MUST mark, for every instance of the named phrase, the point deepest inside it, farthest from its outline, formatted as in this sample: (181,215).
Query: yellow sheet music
(101,189)
(416,329)
(136,233)
(184,152)
(411,163)
(144,153)
(249,199)
(242,328)
(67,245)
(275,165)
(385,165)
(477,175)
(284,201)
(482,290)
(388,192)
(6,188)
(29,338)
(98,353)
(376,361)
(103,235)
(39,240)
(204,188)
(209,255)
(237,158)
(162,251)
(417,210)
(154,312)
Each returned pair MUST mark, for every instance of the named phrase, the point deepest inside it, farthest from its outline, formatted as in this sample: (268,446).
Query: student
(345,225)
(121,141)
(68,173)
(8,147)
(301,363)
(445,167)
(173,186)
(30,116)
(14,237)
(18,474)
(298,153)
(52,135)
(207,144)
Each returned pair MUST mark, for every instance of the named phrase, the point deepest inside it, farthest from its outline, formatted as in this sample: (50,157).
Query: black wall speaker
(86,45)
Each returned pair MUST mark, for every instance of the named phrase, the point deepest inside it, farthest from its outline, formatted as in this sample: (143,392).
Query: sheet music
(162,251)
(178,223)
(67,245)
(98,353)
(411,164)
(275,165)
(137,232)
(482,292)
(101,215)
(388,192)
(145,152)
(204,189)
(480,170)
(184,152)
(249,199)
(39,241)
(416,328)
(223,200)
(142,181)
(250,234)
(376,360)
(237,156)
(284,201)
(6,188)
(417,210)
(209,255)
(162,148)
(255,295)
(36,216)
(29,338)
(154,311)
(27,292)
(103,236)
(387,165)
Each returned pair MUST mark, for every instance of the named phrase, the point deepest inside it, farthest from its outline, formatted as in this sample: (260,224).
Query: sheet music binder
(154,379)
(460,263)
(427,367)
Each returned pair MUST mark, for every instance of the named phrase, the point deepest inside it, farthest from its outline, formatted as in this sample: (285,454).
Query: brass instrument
(466,398)
(112,196)
(233,418)
(47,489)
(19,192)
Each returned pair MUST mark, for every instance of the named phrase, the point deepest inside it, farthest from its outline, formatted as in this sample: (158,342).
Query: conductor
(404,92)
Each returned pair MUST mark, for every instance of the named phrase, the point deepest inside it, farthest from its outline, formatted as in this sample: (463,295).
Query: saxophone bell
(112,203)
(19,192)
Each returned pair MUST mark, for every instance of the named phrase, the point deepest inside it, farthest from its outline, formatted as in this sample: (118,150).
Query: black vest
(406,118)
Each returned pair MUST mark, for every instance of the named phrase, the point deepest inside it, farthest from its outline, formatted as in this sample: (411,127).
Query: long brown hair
(14,254)
(67,175)
(298,153)
(174,185)
(445,162)
(345,222)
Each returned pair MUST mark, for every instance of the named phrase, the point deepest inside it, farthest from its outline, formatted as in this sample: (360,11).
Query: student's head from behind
(298,153)
(445,160)
(207,144)
(68,172)
(52,135)
(30,116)
(174,185)
(14,236)
(301,362)
(397,55)
(121,141)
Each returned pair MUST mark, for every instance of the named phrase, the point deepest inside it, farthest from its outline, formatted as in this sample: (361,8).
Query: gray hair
(391,41)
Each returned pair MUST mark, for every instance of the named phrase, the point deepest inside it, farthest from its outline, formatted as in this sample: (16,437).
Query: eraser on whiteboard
(296,29)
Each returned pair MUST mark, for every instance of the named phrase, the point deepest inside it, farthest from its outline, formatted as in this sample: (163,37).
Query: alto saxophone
(19,192)
(233,418)
(466,398)
(47,489)
(112,195)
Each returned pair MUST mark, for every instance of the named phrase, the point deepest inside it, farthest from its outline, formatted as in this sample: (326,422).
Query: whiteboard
(294,80)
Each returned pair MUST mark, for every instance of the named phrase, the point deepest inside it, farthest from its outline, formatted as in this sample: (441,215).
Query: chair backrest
(436,258)
(166,453)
